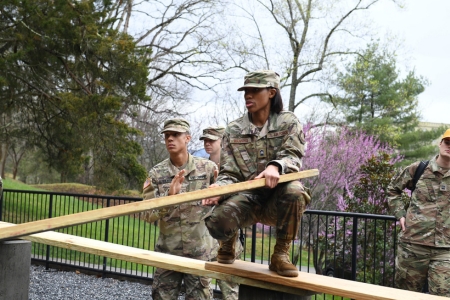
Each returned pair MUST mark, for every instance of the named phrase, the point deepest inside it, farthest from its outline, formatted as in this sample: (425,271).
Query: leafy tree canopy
(373,98)
(73,80)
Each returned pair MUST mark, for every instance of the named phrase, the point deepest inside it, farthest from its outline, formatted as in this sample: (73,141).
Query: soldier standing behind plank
(423,251)
(182,231)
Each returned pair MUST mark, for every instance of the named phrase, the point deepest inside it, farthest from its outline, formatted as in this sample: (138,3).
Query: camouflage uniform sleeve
(395,189)
(229,170)
(150,191)
(292,149)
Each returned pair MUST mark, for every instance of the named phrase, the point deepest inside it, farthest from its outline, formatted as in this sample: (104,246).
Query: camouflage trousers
(415,263)
(167,285)
(230,290)
(281,207)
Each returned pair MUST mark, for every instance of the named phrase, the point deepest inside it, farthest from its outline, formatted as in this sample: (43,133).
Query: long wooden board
(140,256)
(136,207)
(241,272)
(318,283)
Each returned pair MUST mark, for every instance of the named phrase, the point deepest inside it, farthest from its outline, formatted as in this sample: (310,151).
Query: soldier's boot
(227,250)
(280,262)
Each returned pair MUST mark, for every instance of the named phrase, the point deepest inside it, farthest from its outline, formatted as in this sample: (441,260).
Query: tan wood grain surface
(136,207)
(317,283)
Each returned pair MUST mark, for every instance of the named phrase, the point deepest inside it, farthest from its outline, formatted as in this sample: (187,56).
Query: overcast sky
(424,27)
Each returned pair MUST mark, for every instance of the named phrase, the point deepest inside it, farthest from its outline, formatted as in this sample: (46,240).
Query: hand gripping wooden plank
(136,207)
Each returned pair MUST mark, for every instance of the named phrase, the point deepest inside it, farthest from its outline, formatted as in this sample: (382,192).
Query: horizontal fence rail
(353,246)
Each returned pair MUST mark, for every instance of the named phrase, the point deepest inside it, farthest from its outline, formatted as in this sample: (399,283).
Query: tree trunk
(294,83)
(3,155)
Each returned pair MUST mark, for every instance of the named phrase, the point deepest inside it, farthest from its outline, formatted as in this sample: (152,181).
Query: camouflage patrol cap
(446,134)
(176,125)
(213,133)
(261,79)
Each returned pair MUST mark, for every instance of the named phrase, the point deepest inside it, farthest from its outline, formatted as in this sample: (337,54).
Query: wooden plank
(317,283)
(150,258)
(136,207)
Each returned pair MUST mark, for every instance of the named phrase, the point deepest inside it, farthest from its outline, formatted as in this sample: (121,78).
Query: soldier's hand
(271,174)
(402,223)
(213,200)
(175,185)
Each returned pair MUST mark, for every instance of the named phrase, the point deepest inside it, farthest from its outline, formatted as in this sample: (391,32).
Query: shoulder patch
(147,183)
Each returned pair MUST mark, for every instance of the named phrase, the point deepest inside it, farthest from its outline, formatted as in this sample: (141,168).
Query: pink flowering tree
(340,155)
(375,240)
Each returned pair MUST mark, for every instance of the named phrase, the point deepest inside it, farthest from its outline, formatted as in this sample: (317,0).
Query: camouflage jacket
(182,230)
(428,211)
(246,151)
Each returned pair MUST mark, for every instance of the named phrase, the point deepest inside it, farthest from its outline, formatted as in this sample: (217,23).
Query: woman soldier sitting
(264,143)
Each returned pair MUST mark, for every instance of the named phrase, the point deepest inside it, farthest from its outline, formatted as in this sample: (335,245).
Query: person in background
(265,143)
(212,141)
(424,240)
(182,231)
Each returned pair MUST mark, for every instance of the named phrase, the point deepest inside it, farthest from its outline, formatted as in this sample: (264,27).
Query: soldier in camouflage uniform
(424,241)
(182,231)
(264,143)
(212,140)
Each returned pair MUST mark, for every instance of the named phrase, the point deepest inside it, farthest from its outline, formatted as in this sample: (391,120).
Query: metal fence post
(108,202)
(253,251)
(354,245)
(47,255)
(1,205)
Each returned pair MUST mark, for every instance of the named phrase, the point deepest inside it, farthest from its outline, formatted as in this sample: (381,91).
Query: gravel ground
(60,285)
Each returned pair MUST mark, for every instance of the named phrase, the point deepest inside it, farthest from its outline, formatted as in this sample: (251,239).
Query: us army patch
(165,180)
(277,134)
(240,140)
(197,177)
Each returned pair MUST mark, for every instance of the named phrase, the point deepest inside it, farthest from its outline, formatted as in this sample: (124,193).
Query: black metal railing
(352,246)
